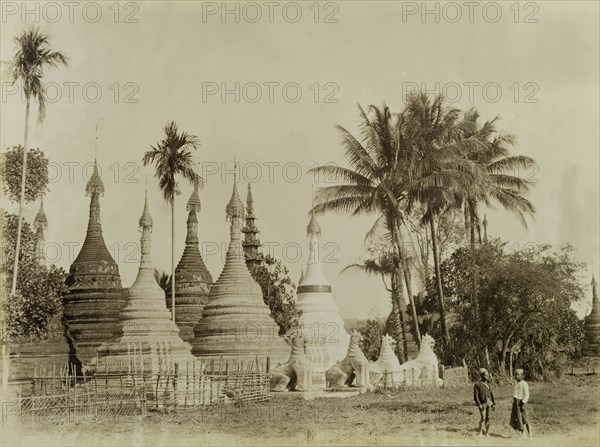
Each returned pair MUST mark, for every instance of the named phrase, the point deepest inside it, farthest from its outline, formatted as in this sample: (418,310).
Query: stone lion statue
(296,373)
(424,370)
(354,366)
(388,363)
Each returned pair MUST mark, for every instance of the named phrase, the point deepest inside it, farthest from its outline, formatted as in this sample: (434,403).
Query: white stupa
(321,324)
(150,340)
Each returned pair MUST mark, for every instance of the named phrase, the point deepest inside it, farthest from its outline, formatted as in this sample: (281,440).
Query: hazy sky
(269,94)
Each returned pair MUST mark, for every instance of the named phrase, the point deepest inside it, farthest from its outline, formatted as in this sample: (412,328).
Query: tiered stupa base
(189,304)
(93,319)
(248,334)
(50,355)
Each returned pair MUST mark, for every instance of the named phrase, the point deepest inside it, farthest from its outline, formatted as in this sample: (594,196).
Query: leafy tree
(372,332)
(31,310)
(525,301)
(11,167)
(32,55)
(496,181)
(172,157)
(278,292)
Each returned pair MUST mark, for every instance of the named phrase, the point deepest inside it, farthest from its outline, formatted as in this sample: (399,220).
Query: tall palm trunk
(407,280)
(13,289)
(474,298)
(173,257)
(438,278)
(400,322)
(397,286)
(411,299)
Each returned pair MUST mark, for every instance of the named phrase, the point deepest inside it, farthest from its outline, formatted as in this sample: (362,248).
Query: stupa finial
(250,201)
(96,145)
(313,228)
(94,184)
(193,203)
(235,207)
(594,288)
(146,218)
(41,221)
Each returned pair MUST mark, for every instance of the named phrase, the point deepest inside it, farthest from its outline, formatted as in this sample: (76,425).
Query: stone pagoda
(94,296)
(251,244)
(192,278)
(150,340)
(53,352)
(320,322)
(40,223)
(236,323)
(591,346)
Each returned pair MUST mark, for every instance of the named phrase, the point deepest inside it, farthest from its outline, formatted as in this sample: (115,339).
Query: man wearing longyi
(484,399)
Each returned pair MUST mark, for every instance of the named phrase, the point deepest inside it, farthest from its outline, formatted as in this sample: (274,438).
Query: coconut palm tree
(376,183)
(172,157)
(441,171)
(498,180)
(27,66)
(381,263)
(163,279)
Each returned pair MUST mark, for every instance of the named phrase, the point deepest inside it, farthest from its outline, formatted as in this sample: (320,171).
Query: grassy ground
(562,413)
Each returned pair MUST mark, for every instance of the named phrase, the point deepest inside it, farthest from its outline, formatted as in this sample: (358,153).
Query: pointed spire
(594,289)
(94,184)
(235,207)
(41,221)
(250,202)
(146,219)
(251,244)
(313,228)
(193,203)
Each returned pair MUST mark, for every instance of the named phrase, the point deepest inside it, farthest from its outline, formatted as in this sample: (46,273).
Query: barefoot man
(484,399)
(519,419)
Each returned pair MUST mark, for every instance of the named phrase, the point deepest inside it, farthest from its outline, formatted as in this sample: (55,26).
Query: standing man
(519,419)
(484,399)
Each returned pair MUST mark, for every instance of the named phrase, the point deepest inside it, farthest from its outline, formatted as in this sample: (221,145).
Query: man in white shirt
(519,419)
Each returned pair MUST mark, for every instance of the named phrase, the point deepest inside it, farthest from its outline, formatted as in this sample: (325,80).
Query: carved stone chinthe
(296,373)
(354,366)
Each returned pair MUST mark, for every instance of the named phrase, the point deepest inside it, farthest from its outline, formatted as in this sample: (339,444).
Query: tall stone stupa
(40,223)
(149,336)
(192,278)
(251,243)
(236,323)
(94,296)
(591,344)
(320,322)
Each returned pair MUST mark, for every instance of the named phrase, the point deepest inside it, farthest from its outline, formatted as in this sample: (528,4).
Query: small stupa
(54,351)
(94,295)
(192,278)
(320,322)
(40,223)
(236,323)
(591,345)
(251,244)
(149,336)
